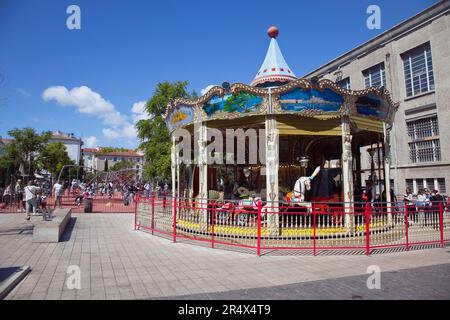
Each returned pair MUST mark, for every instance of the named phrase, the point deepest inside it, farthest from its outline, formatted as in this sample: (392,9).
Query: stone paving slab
(425,283)
(117,262)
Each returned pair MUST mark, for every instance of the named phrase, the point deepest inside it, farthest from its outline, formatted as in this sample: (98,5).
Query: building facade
(72,144)
(412,60)
(98,160)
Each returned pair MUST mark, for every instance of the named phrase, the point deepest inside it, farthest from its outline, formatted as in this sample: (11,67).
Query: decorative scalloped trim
(301,83)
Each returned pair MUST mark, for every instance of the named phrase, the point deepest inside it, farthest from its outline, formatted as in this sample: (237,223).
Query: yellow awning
(367,124)
(319,125)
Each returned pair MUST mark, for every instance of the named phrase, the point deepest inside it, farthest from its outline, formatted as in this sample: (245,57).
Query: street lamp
(304,161)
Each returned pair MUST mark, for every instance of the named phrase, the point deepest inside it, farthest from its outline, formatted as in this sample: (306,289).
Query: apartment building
(99,159)
(73,144)
(412,60)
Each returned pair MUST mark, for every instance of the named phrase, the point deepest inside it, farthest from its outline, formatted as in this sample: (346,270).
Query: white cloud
(85,101)
(205,90)
(91,103)
(138,111)
(110,134)
(127,131)
(91,142)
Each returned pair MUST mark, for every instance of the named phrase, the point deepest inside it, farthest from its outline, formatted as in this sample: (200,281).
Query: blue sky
(93,81)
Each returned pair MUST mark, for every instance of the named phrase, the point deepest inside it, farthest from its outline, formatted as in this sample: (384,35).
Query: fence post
(153,213)
(314,228)
(407,227)
(367,228)
(258,244)
(135,211)
(174,219)
(441,223)
(213,214)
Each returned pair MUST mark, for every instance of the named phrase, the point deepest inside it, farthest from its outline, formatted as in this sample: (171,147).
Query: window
(345,83)
(425,151)
(430,184)
(419,184)
(375,76)
(410,184)
(421,147)
(418,67)
(423,128)
(441,185)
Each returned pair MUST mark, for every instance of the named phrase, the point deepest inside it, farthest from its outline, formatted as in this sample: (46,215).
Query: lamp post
(304,161)
(372,177)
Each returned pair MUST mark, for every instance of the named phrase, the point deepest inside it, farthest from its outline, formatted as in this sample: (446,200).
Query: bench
(51,231)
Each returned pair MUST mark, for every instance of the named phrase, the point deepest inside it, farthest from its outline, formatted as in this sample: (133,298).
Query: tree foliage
(53,157)
(153,133)
(122,165)
(112,149)
(20,153)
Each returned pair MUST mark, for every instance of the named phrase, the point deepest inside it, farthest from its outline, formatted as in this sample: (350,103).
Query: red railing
(100,204)
(318,227)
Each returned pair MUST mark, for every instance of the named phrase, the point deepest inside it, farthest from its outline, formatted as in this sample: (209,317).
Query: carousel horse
(302,185)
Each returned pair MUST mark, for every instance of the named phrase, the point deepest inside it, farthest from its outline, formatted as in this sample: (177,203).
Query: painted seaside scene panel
(371,105)
(299,100)
(242,102)
(180,116)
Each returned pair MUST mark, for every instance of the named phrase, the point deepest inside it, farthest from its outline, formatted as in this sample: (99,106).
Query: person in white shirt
(30,198)
(421,204)
(58,192)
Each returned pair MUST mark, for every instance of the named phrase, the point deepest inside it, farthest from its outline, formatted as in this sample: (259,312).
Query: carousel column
(347,173)
(387,173)
(173,160)
(272,165)
(203,176)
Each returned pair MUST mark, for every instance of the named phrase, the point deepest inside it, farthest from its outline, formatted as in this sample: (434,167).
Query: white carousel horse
(302,185)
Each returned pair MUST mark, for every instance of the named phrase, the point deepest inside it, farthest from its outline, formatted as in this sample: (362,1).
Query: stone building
(72,144)
(100,160)
(412,60)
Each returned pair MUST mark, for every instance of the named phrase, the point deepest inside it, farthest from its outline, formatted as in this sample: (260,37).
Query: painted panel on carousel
(180,116)
(299,100)
(372,105)
(241,102)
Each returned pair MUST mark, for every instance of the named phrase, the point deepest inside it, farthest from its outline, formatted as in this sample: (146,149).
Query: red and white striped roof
(274,67)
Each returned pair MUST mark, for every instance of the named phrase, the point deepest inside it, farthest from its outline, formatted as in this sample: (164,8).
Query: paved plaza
(117,262)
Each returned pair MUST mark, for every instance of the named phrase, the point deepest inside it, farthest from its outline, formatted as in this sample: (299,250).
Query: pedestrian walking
(58,193)
(7,196)
(30,199)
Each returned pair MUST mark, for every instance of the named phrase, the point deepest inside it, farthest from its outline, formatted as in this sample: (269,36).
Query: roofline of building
(424,17)
(57,139)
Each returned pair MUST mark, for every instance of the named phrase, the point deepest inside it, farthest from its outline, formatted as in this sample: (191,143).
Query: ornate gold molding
(347,108)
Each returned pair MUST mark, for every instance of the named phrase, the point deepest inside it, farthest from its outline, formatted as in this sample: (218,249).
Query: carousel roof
(292,99)
(274,67)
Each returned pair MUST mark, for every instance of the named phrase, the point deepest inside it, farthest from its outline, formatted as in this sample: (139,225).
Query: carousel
(306,135)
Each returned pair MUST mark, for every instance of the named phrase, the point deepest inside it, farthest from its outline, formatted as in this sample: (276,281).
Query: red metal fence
(100,204)
(263,228)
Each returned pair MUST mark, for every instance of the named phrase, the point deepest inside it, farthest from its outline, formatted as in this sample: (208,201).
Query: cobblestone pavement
(425,283)
(117,262)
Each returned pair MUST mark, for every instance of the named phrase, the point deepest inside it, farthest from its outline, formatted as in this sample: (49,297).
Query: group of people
(32,197)
(424,200)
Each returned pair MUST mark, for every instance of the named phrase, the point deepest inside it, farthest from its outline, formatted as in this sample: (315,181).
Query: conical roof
(274,67)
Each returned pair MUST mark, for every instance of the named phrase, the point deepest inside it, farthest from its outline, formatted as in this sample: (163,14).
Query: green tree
(53,157)
(22,151)
(126,175)
(122,165)
(112,149)
(153,133)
